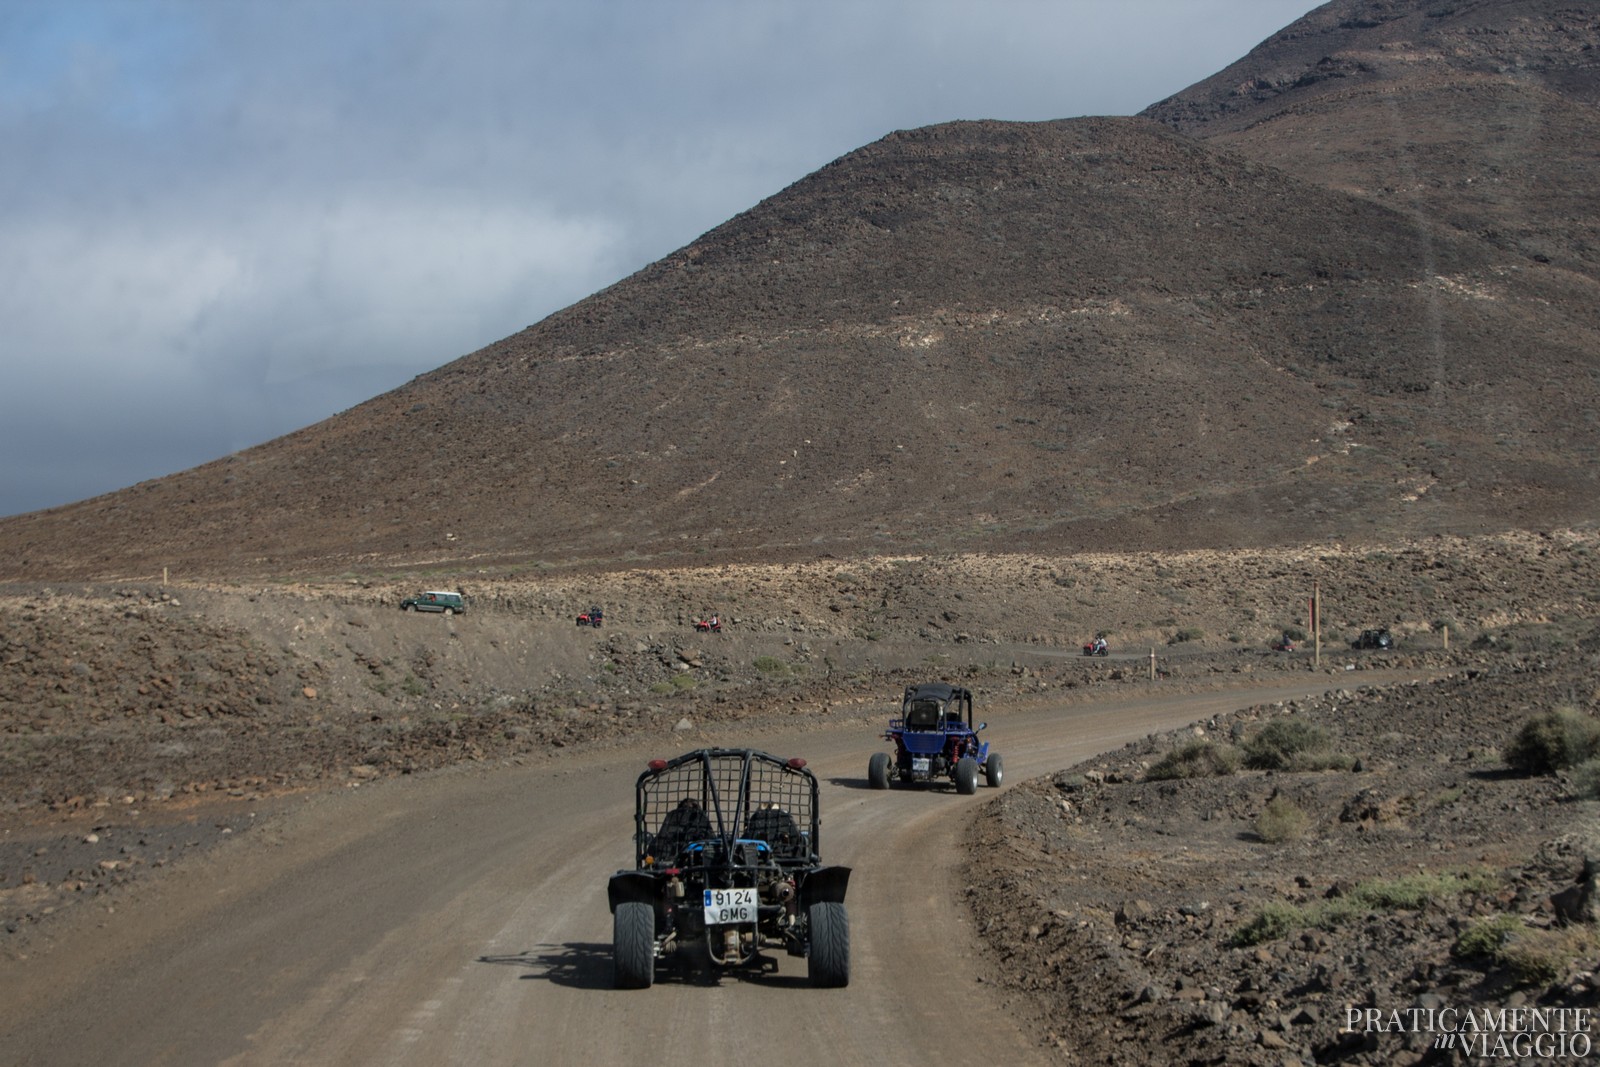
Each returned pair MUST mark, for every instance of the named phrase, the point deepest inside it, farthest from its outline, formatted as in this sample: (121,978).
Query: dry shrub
(1281,820)
(1560,738)
(1196,759)
(1586,779)
(1282,744)
(1533,956)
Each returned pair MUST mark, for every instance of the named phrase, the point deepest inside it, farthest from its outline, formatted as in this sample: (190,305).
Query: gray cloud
(222,222)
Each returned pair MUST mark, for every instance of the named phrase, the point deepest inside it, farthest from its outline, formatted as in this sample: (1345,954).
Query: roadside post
(1316,624)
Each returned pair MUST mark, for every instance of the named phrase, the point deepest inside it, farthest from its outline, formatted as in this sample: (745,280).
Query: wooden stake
(1316,623)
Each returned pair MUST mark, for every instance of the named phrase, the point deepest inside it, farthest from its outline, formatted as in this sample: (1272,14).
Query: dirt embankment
(137,694)
(1241,917)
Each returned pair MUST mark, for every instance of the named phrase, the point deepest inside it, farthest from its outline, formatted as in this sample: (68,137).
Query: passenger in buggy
(924,715)
(683,826)
(778,829)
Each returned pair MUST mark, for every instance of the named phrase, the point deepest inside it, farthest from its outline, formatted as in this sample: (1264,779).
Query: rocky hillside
(1347,300)
(1481,115)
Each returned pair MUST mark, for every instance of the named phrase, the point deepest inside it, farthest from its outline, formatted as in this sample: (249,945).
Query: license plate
(919,764)
(731,906)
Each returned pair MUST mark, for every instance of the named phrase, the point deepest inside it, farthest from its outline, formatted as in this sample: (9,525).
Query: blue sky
(223,220)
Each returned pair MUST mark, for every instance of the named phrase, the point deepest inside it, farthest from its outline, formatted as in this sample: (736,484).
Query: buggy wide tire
(633,935)
(828,955)
(993,770)
(966,776)
(878,770)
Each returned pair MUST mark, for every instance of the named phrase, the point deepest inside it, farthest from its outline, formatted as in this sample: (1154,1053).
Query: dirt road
(461,918)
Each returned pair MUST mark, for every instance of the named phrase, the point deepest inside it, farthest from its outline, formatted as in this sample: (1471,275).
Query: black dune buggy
(1380,639)
(934,738)
(726,856)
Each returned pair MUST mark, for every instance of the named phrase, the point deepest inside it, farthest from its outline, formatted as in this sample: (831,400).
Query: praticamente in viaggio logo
(1490,1033)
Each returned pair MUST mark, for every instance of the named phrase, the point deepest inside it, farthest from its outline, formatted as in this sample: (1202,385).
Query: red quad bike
(934,738)
(593,617)
(712,625)
(1097,647)
(1283,644)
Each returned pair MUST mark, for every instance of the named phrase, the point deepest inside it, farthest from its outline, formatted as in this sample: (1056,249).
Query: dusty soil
(140,723)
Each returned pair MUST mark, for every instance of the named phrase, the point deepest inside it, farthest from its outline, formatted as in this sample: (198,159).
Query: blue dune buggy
(934,738)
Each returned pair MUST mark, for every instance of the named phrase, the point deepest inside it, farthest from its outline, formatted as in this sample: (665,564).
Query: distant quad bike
(1381,639)
(712,625)
(1283,644)
(1097,647)
(934,738)
(593,617)
(726,856)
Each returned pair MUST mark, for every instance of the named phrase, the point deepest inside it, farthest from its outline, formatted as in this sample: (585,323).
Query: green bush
(1281,820)
(1275,919)
(1487,938)
(1278,744)
(1561,738)
(1196,759)
(1411,892)
(1188,633)
(769,665)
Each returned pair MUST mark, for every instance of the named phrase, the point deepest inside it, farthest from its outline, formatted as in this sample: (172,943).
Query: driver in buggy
(683,826)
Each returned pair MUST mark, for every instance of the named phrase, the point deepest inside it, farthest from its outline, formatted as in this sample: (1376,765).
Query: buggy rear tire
(633,936)
(878,770)
(966,775)
(828,954)
(993,770)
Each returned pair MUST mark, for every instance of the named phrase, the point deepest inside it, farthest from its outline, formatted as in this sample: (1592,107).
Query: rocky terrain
(1243,918)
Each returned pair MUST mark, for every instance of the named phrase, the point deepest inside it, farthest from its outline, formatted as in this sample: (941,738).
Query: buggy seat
(683,826)
(923,715)
(778,829)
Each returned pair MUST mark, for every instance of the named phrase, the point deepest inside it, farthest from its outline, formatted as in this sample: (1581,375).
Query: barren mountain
(1351,295)
(1479,114)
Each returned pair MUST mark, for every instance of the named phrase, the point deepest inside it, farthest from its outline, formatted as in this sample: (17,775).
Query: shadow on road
(576,964)
(588,965)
